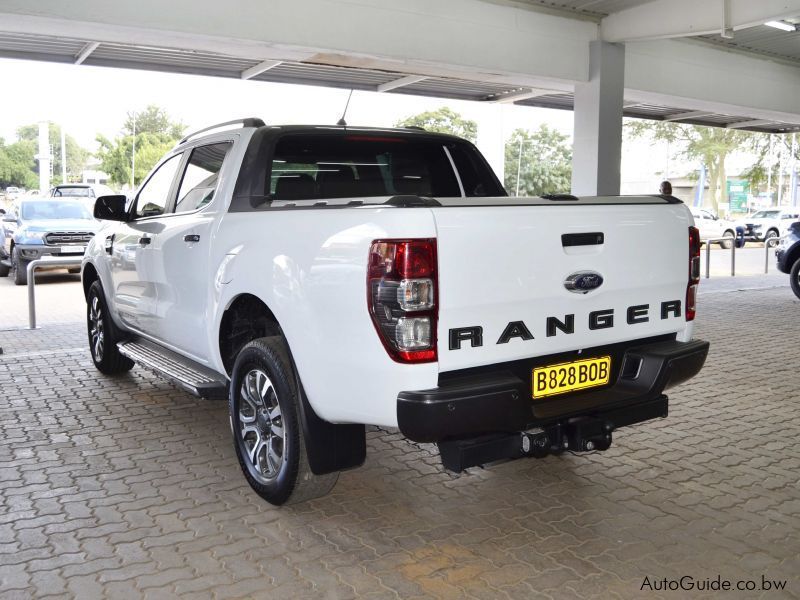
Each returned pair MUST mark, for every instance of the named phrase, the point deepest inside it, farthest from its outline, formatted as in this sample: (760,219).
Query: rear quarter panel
(309,268)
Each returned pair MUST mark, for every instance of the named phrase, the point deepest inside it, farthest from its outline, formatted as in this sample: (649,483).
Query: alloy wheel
(96,334)
(261,424)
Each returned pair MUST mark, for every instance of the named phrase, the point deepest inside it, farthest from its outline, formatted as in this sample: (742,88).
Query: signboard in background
(738,191)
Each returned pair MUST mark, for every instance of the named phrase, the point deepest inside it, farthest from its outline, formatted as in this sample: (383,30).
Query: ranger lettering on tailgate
(598,319)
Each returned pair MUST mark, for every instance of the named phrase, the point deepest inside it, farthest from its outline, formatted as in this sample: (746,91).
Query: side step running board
(185,373)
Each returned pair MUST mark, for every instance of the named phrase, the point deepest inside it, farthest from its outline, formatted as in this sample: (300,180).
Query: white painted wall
(695,76)
(464,38)
(470,39)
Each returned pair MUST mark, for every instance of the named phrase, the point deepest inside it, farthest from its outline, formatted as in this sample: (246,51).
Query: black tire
(726,244)
(4,270)
(103,334)
(19,268)
(770,235)
(265,422)
(794,278)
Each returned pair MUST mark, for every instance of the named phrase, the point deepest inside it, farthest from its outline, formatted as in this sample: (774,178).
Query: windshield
(766,214)
(81,192)
(53,210)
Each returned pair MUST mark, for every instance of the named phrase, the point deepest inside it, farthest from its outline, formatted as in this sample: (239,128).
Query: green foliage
(17,165)
(76,155)
(153,119)
(708,145)
(443,120)
(156,134)
(545,166)
(767,150)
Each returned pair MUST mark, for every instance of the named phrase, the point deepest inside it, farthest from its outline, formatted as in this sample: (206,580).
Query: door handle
(144,241)
(191,237)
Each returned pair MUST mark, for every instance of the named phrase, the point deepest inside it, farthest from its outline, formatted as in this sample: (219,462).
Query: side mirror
(111,208)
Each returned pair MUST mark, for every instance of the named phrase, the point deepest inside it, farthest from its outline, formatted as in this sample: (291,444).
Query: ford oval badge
(583,282)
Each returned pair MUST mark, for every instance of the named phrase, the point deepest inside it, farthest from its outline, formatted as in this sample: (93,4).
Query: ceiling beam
(260,68)
(523,94)
(683,18)
(85,52)
(692,114)
(751,123)
(402,82)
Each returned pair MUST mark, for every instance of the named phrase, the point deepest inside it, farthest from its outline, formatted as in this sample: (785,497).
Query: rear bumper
(501,401)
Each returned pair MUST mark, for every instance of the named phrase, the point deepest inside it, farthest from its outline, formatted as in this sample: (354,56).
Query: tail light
(694,273)
(402,290)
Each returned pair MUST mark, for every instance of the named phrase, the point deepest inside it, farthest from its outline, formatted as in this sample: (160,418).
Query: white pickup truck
(325,278)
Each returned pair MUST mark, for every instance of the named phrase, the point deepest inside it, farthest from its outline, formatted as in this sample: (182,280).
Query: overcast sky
(90,100)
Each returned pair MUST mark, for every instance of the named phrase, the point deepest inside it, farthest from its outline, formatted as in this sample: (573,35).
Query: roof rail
(246,122)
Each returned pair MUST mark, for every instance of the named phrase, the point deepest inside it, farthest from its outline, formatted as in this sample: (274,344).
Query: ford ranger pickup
(327,278)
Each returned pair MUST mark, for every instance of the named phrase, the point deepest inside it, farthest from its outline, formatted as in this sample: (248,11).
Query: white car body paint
(499,260)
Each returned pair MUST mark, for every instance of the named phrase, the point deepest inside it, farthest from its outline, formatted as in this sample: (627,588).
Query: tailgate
(500,266)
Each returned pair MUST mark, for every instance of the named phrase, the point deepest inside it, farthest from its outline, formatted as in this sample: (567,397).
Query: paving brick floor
(128,487)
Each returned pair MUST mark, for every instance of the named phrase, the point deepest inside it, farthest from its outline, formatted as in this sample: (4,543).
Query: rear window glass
(81,192)
(308,167)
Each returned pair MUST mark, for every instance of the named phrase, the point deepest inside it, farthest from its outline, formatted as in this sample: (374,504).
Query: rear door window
(322,167)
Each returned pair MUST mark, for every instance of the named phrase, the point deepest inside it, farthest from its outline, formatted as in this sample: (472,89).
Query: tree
(543,167)
(155,135)
(17,164)
(768,149)
(443,120)
(710,145)
(76,155)
(153,119)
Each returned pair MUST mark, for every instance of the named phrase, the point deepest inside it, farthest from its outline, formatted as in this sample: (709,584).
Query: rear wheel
(19,268)
(266,426)
(770,235)
(103,335)
(727,244)
(4,269)
(794,278)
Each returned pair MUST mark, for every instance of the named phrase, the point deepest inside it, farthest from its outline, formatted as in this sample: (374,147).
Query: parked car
(87,192)
(5,220)
(712,227)
(324,278)
(786,224)
(766,224)
(788,254)
(47,227)
(13,192)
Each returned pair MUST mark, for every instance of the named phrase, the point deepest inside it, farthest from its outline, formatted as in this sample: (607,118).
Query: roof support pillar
(597,137)
(491,138)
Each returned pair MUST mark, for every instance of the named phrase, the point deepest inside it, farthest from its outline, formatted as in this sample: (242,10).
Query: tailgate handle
(594,238)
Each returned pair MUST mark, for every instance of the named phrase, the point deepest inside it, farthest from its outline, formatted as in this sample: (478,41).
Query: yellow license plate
(571,376)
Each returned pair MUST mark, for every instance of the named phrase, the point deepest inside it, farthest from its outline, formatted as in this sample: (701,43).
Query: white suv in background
(768,223)
(711,226)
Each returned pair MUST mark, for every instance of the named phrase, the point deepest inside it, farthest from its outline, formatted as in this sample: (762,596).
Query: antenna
(341,122)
